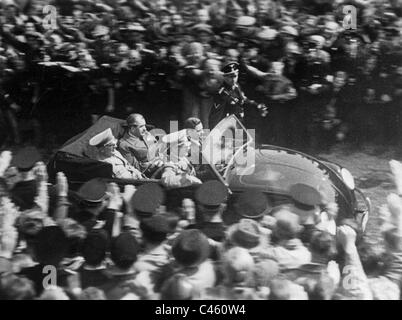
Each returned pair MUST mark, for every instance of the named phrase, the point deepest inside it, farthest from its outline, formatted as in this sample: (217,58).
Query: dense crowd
(321,81)
(106,242)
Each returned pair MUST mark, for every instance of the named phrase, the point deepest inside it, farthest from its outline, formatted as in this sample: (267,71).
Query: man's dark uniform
(229,100)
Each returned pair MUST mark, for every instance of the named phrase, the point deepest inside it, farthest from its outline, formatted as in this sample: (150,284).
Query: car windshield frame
(213,150)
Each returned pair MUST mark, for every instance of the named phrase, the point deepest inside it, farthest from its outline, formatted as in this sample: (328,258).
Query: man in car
(137,144)
(106,144)
(178,172)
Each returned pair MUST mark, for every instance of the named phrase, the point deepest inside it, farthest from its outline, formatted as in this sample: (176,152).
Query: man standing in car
(230,99)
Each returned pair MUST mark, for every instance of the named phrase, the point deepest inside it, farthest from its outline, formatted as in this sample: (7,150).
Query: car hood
(276,170)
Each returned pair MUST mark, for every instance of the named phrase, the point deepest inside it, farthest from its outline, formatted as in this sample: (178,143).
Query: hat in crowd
(50,245)
(245,234)
(290,31)
(177,287)
(305,196)
(230,68)
(26,158)
(267,34)
(287,225)
(95,246)
(245,22)
(252,204)
(103,139)
(211,194)
(147,199)
(203,27)
(100,31)
(93,191)
(155,228)
(191,248)
(124,250)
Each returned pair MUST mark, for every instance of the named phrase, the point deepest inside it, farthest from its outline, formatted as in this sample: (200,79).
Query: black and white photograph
(208,150)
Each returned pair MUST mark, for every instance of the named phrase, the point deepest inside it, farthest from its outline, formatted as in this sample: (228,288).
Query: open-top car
(228,154)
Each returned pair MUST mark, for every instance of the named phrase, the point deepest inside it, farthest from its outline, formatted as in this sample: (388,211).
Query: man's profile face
(139,129)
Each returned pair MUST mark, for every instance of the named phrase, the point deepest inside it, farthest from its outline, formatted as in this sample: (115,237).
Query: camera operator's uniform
(228,101)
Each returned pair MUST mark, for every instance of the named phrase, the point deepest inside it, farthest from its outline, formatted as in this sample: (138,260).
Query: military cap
(252,204)
(230,68)
(93,191)
(147,199)
(155,228)
(103,139)
(211,193)
(305,195)
(26,158)
(245,21)
(203,27)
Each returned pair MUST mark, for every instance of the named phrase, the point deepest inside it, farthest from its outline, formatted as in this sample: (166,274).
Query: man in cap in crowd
(106,145)
(178,171)
(138,144)
(306,203)
(230,99)
(145,203)
(254,205)
(93,210)
(211,199)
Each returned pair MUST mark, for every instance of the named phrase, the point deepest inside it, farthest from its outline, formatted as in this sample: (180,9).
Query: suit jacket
(137,151)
